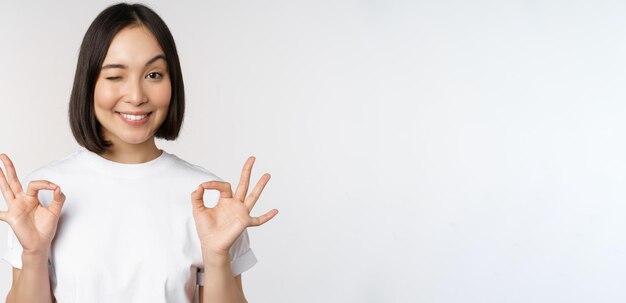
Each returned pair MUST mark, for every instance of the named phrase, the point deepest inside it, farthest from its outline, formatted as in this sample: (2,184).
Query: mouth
(134,118)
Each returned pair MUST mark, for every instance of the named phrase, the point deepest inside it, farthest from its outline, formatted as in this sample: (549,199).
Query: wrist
(34,258)
(36,252)
(213,259)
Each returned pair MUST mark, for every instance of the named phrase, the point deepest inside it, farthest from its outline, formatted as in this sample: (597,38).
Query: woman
(113,222)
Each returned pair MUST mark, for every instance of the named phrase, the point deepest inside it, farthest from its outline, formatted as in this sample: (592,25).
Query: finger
(256,192)
(260,220)
(223,187)
(12,179)
(57,202)
(244,181)
(7,192)
(35,186)
(197,200)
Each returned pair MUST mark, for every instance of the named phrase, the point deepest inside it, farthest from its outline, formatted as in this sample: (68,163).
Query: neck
(132,153)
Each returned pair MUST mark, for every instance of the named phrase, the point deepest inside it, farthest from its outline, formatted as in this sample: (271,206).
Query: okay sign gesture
(219,226)
(33,224)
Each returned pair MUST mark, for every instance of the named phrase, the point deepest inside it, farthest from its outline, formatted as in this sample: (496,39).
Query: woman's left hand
(219,226)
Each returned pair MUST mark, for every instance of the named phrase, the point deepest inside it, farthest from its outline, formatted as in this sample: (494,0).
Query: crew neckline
(124,170)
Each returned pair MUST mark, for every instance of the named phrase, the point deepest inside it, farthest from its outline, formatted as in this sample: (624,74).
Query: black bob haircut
(85,127)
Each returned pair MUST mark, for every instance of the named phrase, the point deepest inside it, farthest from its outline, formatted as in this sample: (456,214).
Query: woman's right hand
(33,224)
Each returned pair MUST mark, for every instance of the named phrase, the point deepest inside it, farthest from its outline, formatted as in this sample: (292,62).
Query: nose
(136,94)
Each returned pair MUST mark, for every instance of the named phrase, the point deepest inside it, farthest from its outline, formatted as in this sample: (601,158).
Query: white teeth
(133,117)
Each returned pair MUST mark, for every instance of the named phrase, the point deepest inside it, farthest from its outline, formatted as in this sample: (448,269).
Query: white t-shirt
(126,232)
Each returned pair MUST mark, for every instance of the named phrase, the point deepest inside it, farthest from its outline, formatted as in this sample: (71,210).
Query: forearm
(33,283)
(219,284)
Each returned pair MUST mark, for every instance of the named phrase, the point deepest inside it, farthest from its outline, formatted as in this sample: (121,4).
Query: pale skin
(134,79)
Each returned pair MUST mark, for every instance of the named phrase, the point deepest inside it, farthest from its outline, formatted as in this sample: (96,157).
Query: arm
(33,275)
(212,298)
(219,283)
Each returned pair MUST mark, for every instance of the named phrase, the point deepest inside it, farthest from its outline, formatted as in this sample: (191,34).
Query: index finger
(222,187)
(12,180)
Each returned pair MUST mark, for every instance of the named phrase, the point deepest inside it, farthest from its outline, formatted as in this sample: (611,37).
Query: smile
(134,119)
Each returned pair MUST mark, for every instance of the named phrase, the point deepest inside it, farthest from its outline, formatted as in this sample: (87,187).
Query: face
(133,90)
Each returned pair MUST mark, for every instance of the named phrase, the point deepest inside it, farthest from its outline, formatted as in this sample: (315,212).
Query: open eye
(154,75)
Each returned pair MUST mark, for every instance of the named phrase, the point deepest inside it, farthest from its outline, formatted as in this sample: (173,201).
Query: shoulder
(54,168)
(191,170)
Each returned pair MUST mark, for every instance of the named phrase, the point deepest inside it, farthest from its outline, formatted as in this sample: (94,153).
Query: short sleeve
(241,256)
(13,252)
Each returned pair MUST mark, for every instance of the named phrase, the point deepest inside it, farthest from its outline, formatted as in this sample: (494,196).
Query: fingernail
(53,186)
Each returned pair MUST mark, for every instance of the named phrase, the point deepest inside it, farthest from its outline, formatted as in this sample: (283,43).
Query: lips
(134,118)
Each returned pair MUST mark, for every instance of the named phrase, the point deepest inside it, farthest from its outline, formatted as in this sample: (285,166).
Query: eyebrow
(114,65)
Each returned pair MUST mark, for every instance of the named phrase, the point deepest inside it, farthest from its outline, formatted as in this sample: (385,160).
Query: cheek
(161,95)
(104,96)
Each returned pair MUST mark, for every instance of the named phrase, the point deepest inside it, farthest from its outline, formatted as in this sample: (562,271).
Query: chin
(134,139)
(129,137)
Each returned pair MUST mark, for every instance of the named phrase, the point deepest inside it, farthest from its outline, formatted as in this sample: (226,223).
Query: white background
(420,151)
